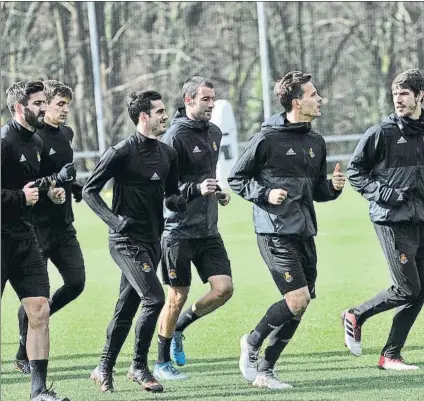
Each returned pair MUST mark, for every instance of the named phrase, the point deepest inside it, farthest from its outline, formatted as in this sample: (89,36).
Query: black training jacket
(143,170)
(391,153)
(291,157)
(56,152)
(197,144)
(20,164)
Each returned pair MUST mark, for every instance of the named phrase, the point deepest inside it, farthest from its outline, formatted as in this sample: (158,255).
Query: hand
(393,196)
(31,194)
(67,173)
(208,186)
(223,198)
(277,196)
(338,180)
(56,195)
(77,192)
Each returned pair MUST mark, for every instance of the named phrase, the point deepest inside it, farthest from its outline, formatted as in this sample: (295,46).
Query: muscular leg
(221,290)
(174,303)
(38,341)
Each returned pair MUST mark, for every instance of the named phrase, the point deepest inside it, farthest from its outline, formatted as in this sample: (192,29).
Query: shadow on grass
(306,355)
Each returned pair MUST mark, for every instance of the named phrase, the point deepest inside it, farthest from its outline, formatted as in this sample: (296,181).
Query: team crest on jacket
(403,258)
(146,268)
(172,274)
(288,277)
(38,156)
(311,153)
(215,148)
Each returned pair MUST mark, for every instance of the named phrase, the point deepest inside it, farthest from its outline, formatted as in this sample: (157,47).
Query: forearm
(325,191)
(99,206)
(249,189)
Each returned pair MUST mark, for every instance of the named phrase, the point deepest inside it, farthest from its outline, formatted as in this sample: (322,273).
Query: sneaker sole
(157,377)
(144,387)
(260,385)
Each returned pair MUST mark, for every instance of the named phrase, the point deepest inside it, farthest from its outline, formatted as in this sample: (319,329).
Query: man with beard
(22,263)
(55,232)
(143,170)
(283,170)
(387,169)
(192,236)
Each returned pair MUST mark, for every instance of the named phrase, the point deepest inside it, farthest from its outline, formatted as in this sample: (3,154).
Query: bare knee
(298,301)
(38,311)
(222,288)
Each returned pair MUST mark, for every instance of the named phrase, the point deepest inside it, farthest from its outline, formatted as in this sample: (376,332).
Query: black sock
(23,331)
(276,315)
(278,340)
(38,376)
(164,349)
(185,319)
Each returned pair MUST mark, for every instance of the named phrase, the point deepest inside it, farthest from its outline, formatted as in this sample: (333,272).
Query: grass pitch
(351,269)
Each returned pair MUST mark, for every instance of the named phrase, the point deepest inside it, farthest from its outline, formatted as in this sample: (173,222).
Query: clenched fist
(56,195)
(31,194)
(277,196)
(208,186)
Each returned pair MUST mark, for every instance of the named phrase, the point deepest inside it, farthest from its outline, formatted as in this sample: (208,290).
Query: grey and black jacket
(197,144)
(390,155)
(291,157)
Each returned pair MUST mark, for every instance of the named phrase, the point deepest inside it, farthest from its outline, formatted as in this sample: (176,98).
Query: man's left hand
(338,180)
(223,198)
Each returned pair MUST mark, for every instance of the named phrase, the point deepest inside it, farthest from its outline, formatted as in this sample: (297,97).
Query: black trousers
(138,262)
(403,246)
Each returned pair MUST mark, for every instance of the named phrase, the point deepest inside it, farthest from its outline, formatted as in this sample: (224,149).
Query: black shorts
(60,245)
(23,265)
(208,255)
(291,261)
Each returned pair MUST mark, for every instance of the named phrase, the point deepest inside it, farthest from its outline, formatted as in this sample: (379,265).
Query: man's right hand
(277,196)
(208,186)
(67,173)
(31,194)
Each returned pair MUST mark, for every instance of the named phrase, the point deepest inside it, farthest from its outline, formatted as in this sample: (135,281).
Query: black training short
(208,255)
(60,245)
(23,265)
(292,261)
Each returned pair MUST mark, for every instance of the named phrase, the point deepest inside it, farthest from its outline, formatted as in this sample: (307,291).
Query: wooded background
(353,50)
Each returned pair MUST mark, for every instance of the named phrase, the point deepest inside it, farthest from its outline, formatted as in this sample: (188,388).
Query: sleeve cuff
(266,195)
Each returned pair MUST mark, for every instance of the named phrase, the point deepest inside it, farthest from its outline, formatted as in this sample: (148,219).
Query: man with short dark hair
(144,171)
(387,169)
(283,170)
(22,262)
(192,237)
(53,223)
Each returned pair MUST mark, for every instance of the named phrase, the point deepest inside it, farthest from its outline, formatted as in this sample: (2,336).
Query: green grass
(351,269)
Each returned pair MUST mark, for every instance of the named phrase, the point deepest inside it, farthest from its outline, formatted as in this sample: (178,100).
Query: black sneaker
(104,378)
(48,395)
(145,379)
(22,365)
